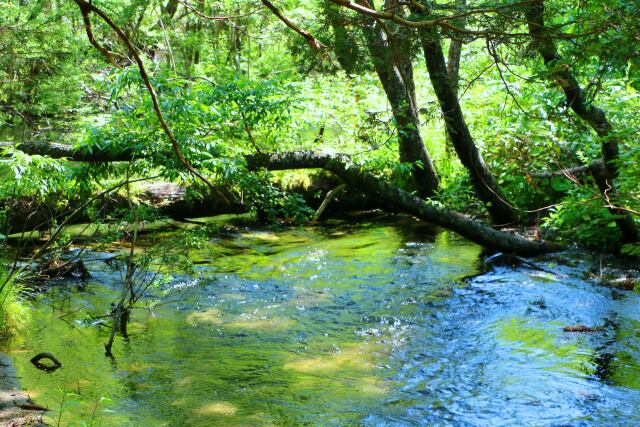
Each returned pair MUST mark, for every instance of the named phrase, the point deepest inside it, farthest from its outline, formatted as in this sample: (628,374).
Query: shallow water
(370,325)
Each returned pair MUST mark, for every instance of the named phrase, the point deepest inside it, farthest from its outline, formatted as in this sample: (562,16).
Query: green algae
(287,328)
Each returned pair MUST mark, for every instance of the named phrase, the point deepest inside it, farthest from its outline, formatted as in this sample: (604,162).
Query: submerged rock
(221,408)
(212,316)
(579,328)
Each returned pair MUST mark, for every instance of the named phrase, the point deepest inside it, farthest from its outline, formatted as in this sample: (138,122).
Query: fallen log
(400,200)
(172,201)
(382,193)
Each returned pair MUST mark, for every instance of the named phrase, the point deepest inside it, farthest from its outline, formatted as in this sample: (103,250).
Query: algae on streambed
(369,324)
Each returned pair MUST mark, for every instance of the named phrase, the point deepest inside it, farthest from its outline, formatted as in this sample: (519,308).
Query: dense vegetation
(522,114)
(513,123)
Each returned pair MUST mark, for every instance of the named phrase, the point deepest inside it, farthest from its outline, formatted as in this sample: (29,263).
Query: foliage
(13,312)
(211,122)
(457,193)
(233,86)
(27,175)
(271,203)
(41,65)
(582,220)
(232,80)
(631,249)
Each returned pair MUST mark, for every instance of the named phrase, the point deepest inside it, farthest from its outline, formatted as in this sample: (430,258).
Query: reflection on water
(350,325)
(69,127)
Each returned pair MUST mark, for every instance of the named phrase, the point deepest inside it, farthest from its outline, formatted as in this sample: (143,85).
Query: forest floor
(16,408)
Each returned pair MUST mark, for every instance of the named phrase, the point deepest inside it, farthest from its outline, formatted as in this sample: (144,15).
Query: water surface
(373,324)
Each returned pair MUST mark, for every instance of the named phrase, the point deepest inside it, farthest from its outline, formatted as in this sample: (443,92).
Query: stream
(381,323)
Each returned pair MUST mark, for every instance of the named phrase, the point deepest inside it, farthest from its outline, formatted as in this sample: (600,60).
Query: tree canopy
(523,112)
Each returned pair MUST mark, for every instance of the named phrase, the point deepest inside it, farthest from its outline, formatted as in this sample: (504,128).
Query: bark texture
(453,66)
(401,200)
(392,62)
(455,50)
(484,183)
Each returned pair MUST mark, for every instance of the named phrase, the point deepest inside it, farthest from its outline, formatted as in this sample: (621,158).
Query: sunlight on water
(349,325)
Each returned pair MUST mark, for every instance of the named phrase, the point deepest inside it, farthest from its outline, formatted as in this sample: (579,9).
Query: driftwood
(512,260)
(580,328)
(328,198)
(58,268)
(38,358)
(29,406)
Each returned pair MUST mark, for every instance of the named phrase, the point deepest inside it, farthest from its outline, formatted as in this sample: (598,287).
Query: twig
(214,18)
(87,7)
(443,21)
(313,42)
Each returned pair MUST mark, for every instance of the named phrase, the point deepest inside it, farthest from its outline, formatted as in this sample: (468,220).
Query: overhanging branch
(394,198)
(88,7)
(400,200)
(577,170)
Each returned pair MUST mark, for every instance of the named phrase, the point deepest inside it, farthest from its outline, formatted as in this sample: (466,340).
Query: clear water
(370,325)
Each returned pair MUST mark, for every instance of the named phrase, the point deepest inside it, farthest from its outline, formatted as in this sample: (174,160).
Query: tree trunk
(455,49)
(392,62)
(345,45)
(400,200)
(171,8)
(453,66)
(483,181)
(594,116)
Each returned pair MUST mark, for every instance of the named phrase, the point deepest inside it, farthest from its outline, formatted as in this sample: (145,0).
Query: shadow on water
(373,324)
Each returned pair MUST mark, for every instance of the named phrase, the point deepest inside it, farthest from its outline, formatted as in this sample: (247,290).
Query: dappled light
(218,409)
(319,213)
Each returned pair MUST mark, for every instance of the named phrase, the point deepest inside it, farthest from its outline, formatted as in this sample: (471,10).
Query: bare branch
(111,57)
(566,172)
(443,21)
(87,7)
(313,42)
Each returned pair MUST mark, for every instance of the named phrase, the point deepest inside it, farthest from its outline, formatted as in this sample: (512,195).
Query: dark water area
(42,130)
(377,324)
(66,129)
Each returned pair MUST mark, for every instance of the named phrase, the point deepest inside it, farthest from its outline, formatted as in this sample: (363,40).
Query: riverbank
(16,408)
